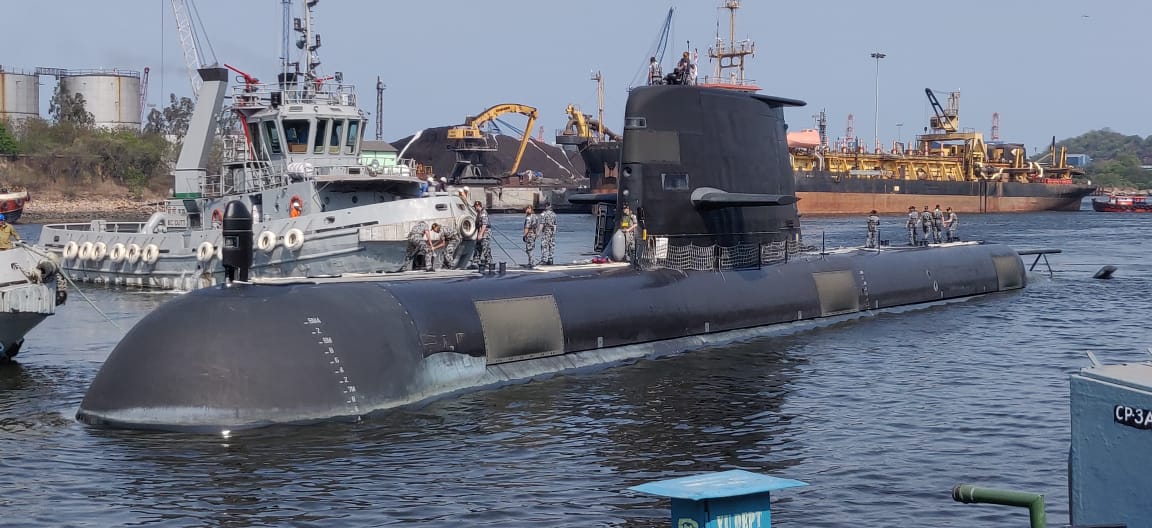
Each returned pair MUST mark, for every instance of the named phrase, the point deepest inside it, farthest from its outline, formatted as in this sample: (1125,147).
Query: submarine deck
(460,274)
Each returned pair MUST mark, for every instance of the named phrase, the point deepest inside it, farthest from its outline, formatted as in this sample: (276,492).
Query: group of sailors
(924,227)
(437,243)
(685,72)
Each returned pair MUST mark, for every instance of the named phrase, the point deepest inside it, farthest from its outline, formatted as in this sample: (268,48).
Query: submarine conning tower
(708,167)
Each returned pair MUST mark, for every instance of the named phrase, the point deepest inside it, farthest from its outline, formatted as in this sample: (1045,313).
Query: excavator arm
(471,127)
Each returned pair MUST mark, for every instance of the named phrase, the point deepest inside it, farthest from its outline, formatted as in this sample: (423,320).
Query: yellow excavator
(469,141)
(580,129)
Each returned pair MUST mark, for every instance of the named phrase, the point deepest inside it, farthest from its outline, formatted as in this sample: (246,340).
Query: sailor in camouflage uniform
(926,222)
(951,224)
(628,226)
(451,238)
(913,219)
(873,228)
(531,226)
(937,224)
(482,257)
(418,244)
(547,234)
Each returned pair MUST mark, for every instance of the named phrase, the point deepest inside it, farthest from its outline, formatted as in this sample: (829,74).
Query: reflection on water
(882,415)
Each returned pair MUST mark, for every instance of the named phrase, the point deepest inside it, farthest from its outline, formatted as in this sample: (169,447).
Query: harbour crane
(580,127)
(945,120)
(469,142)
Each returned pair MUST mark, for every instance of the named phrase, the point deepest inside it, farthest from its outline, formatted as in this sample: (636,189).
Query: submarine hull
(317,349)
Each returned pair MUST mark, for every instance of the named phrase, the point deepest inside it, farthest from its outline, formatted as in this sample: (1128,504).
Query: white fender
(467,227)
(71,249)
(205,252)
(266,242)
(86,250)
(220,253)
(293,239)
(116,254)
(150,254)
(132,255)
(99,251)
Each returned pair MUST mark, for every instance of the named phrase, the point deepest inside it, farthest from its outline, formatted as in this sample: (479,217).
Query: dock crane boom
(192,57)
(470,130)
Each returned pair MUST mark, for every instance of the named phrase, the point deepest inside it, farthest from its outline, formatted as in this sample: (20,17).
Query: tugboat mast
(730,55)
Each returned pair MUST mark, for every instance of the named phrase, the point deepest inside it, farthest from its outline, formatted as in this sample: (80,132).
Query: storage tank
(19,95)
(111,96)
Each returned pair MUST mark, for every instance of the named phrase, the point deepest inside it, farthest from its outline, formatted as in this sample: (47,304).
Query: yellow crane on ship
(469,141)
(581,126)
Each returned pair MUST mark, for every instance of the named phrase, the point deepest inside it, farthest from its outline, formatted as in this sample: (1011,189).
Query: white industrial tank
(111,96)
(19,95)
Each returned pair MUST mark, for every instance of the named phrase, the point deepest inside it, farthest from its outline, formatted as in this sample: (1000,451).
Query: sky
(1053,68)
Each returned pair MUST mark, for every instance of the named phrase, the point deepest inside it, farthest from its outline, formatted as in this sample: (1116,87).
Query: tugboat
(1123,203)
(29,293)
(12,204)
(318,211)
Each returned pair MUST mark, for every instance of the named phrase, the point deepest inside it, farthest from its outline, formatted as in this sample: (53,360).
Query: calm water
(882,416)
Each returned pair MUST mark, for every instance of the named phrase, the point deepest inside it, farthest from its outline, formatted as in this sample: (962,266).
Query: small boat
(1123,203)
(12,204)
(29,293)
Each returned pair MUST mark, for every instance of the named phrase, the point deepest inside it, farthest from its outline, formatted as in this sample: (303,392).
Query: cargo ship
(945,166)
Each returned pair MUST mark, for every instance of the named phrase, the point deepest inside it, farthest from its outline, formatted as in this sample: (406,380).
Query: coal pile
(554,163)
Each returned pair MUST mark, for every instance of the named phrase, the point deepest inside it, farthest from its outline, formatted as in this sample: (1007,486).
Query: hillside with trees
(1116,158)
(68,156)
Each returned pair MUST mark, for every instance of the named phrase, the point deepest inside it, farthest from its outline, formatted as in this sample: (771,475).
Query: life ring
(117,253)
(71,249)
(86,250)
(266,242)
(467,227)
(217,217)
(150,254)
(99,251)
(132,255)
(205,252)
(293,239)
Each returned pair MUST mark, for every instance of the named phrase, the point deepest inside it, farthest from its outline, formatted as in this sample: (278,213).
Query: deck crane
(193,58)
(945,120)
(580,128)
(469,142)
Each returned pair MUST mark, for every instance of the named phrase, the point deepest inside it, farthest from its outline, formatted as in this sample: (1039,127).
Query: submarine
(719,254)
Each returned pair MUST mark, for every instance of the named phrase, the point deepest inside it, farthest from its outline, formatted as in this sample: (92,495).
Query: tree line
(1116,158)
(68,151)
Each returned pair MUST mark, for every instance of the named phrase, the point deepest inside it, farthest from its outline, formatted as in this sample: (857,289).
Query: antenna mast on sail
(730,55)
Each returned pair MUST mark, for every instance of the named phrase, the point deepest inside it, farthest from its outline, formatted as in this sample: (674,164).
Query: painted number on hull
(1133,416)
(327,347)
(740,520)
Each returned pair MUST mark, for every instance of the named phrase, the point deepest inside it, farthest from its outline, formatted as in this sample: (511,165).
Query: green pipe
(969,494)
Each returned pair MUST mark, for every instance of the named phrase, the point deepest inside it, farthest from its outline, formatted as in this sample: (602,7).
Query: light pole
(876,102)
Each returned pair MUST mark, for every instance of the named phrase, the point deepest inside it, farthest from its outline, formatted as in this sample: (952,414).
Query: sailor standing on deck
(547,234)
(926,222)
(951,224)
(422,240)
(873,228)
(937,223)
(913,219)
(655,74)
(531,226)
(7,233)
(628,227)
(483,254)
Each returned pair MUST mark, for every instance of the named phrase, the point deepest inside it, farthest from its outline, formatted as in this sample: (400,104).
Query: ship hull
(830,193)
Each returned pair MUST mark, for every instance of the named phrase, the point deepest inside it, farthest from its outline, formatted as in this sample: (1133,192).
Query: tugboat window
(675,181)
(353,137)
(296,134)
(273,137)
(337,135)
(321,135)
